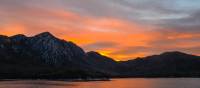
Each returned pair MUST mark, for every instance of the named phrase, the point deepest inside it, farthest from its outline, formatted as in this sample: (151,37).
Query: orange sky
(116,37)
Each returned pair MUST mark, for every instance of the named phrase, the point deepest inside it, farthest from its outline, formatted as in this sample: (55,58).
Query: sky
(121,29)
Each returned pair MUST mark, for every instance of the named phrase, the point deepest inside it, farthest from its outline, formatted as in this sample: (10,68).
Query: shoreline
(97,79)
(69,80)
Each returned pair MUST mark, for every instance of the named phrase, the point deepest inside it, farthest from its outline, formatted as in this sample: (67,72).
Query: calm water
(115,83)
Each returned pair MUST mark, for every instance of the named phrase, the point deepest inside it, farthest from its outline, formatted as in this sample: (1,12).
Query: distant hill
(104,64)
(45,56)
(168,64)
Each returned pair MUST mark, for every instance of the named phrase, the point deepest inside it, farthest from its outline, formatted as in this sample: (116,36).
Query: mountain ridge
(46,56)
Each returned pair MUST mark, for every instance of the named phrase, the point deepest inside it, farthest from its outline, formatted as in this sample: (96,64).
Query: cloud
(100,45)
(189,24)
(163,42)
(122,29)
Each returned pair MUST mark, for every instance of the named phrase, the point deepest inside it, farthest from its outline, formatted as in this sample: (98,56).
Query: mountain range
(47,57)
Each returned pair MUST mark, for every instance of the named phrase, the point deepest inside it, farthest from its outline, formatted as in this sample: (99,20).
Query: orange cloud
(84,30)
(12,29)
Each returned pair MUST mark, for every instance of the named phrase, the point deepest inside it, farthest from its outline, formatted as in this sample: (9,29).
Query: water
(114,83)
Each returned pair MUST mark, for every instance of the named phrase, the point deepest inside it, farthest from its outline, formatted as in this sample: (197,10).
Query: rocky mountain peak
(45,35)
(17,38)
(54,50)
(18,35)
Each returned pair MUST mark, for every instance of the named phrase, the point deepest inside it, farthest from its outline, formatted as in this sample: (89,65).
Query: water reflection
(115,83)
(35,84)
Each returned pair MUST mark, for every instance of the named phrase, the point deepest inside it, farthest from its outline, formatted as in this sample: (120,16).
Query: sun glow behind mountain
(121,29)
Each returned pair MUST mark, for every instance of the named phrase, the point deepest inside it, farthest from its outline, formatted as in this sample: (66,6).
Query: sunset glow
(120,29)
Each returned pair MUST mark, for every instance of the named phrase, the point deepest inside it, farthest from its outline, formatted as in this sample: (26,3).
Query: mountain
(53,50)
(168,64)
(104,64)
(45,56)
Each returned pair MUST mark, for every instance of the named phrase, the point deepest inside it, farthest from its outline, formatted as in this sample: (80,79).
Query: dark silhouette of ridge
(168,64)
(45,56)
(42,56)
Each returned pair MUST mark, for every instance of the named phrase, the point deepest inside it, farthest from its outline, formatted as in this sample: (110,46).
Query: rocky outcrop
(53,50)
